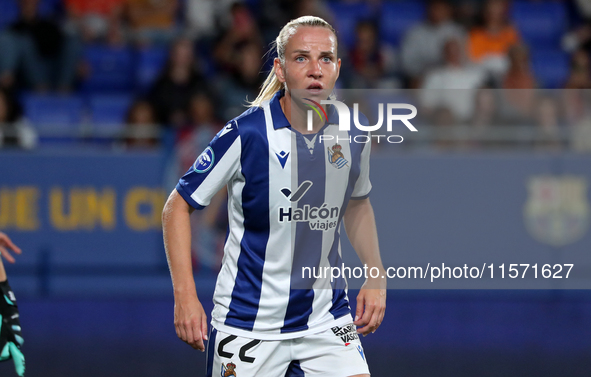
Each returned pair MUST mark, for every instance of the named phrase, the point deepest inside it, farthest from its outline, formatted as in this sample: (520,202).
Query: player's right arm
(190,320)
(212,170)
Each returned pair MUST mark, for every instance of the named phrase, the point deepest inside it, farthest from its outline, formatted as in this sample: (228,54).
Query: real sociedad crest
(228,370)
(557,210)
(336,157)
(205,161)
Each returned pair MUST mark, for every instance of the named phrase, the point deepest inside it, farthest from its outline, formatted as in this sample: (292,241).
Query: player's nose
(315,70)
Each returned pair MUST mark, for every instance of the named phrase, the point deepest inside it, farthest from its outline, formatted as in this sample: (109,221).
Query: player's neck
(297,117)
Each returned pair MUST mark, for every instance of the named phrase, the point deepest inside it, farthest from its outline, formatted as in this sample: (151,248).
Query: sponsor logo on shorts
(228,370)
(360,349)
(347,333)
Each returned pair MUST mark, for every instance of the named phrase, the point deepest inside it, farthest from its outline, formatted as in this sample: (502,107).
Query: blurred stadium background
(105,103)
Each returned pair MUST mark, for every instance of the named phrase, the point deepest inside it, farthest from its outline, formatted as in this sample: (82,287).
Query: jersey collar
(279,119)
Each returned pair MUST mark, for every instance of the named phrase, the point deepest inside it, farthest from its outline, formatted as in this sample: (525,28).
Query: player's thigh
(231,355)
(336,352)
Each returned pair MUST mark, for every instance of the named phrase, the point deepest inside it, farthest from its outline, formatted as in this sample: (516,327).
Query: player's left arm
(360,226)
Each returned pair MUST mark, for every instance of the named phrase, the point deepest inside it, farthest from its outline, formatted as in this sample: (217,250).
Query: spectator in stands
(91,19)
(580,73)
(370,61)
(152,21)
(576,102)
(453,85)
(37,48)
(179,80)
(520,83)
(519,74)
(142,130)
(15,131)
(466,13)
(8,59)
(486,109)
(200,18)
(579,37)
(273,14)
(489,44)
(243,30)
(547,121)
(116,36)
(242,83)
(202,125)
(422,45)
(312,8)
(584,8)
(580,136)
(443,121)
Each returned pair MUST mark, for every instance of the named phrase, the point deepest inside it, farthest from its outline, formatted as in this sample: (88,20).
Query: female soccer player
(287,195)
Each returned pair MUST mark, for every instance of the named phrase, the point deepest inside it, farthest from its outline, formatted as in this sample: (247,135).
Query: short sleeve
(363,185)
(214,167)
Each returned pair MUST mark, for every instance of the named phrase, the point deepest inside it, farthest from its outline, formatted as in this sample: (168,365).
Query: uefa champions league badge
(205,161)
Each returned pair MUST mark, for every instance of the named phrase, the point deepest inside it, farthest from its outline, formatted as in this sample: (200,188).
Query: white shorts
(336,352)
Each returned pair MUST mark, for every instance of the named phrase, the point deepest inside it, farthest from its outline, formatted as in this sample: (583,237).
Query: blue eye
(300,59)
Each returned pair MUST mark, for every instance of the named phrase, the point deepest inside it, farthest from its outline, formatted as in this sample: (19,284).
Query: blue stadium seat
(8,12)
(541,24)
(346,17)
(108,111)
(50,113)
(111,69)
(396,18)
(49,8)
(551,67)
(253,5)
(149,63)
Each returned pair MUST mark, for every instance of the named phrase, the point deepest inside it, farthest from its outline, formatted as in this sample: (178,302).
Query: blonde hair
(272,84)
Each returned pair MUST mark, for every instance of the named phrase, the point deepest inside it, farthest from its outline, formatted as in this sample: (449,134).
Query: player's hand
(11,338)
(190,321)
(371,306)
(6,243)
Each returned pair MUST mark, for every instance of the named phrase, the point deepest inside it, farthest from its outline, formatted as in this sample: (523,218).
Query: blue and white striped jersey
(287,194)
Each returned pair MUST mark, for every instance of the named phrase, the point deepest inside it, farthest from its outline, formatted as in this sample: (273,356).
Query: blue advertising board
(87,211)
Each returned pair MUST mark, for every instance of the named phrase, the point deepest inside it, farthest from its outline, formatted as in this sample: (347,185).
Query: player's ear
(338,67)
(279,70)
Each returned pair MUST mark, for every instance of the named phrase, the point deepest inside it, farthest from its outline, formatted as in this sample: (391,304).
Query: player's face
(311,64)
